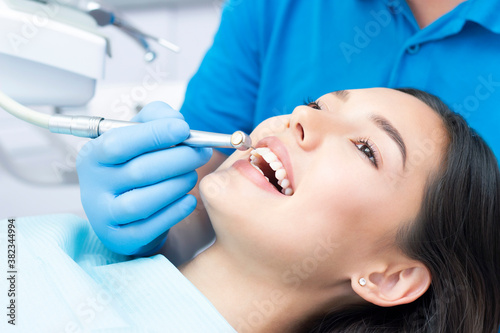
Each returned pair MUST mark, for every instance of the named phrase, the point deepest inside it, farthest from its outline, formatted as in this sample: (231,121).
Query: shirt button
(413,49)
(394,6)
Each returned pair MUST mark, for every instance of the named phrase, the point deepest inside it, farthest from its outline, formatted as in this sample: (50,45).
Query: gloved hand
(133,186)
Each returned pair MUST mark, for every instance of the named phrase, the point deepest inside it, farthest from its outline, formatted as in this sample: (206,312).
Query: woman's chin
(215,192)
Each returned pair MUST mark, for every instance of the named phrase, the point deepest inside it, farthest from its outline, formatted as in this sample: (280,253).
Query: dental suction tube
(92,127)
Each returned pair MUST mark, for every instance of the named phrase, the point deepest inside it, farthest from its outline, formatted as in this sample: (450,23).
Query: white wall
(33,152)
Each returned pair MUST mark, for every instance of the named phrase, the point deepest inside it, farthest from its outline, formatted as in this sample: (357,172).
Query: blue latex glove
(133,186)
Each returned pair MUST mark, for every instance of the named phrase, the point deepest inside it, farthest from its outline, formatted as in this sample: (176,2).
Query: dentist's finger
(141,203)
(157,110)
(120,145)
(129,238)
(155,167)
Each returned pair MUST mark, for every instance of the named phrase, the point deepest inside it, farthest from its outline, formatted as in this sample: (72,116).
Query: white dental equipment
(48,47)
(50,54)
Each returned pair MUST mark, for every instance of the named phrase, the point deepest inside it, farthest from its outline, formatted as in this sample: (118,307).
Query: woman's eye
(314,105)
(366,148)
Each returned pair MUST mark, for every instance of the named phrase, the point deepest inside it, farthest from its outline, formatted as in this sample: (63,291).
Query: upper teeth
(276,165)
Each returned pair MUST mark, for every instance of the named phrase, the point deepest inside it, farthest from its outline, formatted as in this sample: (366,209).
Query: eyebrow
(393,133)
(341,94)
(381,123)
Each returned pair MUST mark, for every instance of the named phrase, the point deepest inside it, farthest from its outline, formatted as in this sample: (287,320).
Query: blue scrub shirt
(270,55)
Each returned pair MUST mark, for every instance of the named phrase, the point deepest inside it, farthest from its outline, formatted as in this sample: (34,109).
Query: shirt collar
(484,12)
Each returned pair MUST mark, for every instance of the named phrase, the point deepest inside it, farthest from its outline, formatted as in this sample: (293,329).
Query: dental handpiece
(92,127)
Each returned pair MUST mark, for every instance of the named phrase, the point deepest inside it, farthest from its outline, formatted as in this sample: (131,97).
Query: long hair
(456,235)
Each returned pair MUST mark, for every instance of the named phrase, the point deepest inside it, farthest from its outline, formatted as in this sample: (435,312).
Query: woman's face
(357,162)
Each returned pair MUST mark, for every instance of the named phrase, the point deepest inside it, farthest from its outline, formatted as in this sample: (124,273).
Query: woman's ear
(394,285)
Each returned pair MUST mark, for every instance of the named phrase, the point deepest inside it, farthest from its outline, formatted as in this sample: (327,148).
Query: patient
(393,224)
(371,210)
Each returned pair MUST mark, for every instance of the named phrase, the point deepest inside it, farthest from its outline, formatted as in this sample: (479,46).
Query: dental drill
(92,127)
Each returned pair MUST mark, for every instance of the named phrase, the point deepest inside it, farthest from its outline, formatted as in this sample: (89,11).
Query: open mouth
(268,164)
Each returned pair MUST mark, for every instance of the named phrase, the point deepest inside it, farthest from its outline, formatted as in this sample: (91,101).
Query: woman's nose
(305,124)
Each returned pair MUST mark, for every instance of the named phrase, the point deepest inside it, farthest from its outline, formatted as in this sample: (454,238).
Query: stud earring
(362,282)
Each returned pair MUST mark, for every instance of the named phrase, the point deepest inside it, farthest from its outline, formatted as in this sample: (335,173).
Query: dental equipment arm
(93,127)
(104,18)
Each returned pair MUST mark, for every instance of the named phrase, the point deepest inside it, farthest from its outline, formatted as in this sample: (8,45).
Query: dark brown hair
(456,235)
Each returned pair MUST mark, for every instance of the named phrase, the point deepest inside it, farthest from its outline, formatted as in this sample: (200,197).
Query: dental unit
(54,54)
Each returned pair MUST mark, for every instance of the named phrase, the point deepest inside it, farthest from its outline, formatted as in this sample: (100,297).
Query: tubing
(23,113)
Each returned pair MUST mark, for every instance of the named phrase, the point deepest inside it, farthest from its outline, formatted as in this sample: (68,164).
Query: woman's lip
(279,149)
(245,168)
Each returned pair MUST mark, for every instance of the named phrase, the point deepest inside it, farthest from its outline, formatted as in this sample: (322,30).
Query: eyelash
(372,153)
(312,104)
